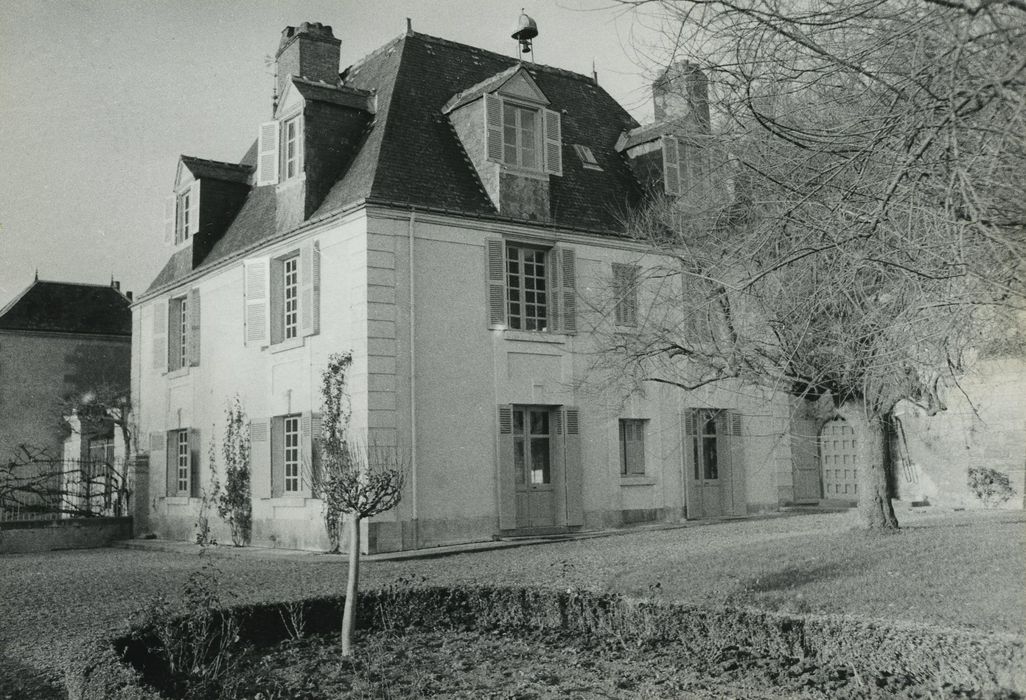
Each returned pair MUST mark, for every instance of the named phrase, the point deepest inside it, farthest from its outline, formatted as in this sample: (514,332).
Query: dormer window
(523,136)
(280,150)
(181,214)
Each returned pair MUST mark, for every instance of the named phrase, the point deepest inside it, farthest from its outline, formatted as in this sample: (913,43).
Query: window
(181,214)
(587,157)
(178,334)
(625,291)
(686,166)
(182,459)
(290,297)
(531,452)
(282,296)
(711,431)
(526,288)
(632,447)
(280,150)
(291,456)
(520,136)
(524,136)
(182,227)
(290,148)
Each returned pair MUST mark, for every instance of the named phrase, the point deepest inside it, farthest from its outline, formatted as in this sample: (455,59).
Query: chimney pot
(128,295)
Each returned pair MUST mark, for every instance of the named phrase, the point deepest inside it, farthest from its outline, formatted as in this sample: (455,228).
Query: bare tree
(359,482)
(866,235)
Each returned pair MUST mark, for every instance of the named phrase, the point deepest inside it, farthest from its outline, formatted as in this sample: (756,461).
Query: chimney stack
(682,91)
(310,51)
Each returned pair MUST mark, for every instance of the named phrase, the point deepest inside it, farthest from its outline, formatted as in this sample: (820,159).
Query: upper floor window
(531,288)
(625,292)
(290,297)
(523,136)
(176,332)
(280,150)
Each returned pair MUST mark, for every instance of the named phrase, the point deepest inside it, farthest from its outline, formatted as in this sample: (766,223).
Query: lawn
(955,570)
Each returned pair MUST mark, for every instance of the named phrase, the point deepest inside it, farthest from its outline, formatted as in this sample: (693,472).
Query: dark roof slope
(410,154)
(217,170)
(66,307)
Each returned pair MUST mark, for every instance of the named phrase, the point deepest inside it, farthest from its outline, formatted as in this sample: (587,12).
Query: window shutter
(619,292)
(267,154)
(170,206)
(259,459)
(625,289)
(671,164)
(315,454)
(493,128)
(256,286)
(306,452)
(567,290)
(174,333)
(194,462)
(194,208)
(309,288)
(171,461)
(277,457)
(507,478)
(737,465)
(553,142)
(300,143)
(194,326)
(160,334)
(496,266)
(574,467)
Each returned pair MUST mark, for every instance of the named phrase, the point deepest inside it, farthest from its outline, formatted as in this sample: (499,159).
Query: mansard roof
(410,156)
(66,307)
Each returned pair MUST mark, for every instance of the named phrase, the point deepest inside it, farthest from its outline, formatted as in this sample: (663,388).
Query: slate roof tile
(66,307)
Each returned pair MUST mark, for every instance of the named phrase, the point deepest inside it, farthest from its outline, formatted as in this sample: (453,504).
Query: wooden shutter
(574,467)
(194,208)
(174,334)
(300,145)
(259,459)
(315,454)
(170,207)
(553,142)
(267,154)
(305,452)
(625,291)
(691,432)
(194,462)
(737,465)
(496,266)
(309,288)
(257,302)
(171,462)
(194,326)
(671,164)
(567,290)
(160,334)
(493,128)
(506,478)
(277,456)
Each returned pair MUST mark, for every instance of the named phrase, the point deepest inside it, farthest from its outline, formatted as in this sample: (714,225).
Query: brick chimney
(682,91)
(310,51)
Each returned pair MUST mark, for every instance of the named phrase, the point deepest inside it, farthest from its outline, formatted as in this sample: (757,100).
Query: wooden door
(715,477)
(534,468)
(838,455)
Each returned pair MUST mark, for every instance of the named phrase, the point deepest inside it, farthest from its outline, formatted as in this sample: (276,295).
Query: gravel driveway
(51,602)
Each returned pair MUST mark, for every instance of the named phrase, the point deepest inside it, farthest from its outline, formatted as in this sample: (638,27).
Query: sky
(99,98)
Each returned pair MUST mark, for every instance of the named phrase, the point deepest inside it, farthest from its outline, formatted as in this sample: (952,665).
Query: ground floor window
(632,446)
(531,447)
(291,457)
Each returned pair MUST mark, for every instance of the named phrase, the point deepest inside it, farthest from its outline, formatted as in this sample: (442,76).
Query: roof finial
(37,274)
(409,26)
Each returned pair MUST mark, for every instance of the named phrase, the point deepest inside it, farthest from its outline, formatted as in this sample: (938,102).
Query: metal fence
(50,489)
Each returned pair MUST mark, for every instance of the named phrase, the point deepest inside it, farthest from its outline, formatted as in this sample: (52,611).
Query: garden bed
(473,641)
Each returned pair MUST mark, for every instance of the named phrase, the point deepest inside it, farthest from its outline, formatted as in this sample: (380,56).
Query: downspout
(413,385)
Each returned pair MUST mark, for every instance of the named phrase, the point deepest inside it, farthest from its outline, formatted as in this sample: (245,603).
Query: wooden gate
(838,456)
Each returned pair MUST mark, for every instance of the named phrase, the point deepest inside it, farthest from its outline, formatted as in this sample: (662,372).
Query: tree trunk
(352,585)
(873,440)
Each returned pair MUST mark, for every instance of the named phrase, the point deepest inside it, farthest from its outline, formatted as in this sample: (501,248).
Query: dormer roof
(192,168)
(515,81)
(342,95)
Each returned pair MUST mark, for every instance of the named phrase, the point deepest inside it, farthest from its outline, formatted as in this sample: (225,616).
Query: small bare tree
(234,502)
(355,481)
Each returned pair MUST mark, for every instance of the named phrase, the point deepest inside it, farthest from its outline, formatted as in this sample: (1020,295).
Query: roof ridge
(526,64)
(360,62)
(239,166)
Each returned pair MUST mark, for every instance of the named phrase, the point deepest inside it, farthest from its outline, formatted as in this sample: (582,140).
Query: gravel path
(51,602)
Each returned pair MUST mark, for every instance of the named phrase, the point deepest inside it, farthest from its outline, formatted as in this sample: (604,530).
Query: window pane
(518,422)
(539,422)
(518,459)
(709,458)
(540,473)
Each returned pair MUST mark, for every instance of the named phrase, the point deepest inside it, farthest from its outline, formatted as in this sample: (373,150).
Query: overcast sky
(98,99)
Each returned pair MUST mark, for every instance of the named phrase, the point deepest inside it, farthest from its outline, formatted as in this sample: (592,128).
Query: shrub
(990,486)
(234,504)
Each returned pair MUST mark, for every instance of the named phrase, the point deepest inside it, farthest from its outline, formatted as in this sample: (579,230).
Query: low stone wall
(21,536)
